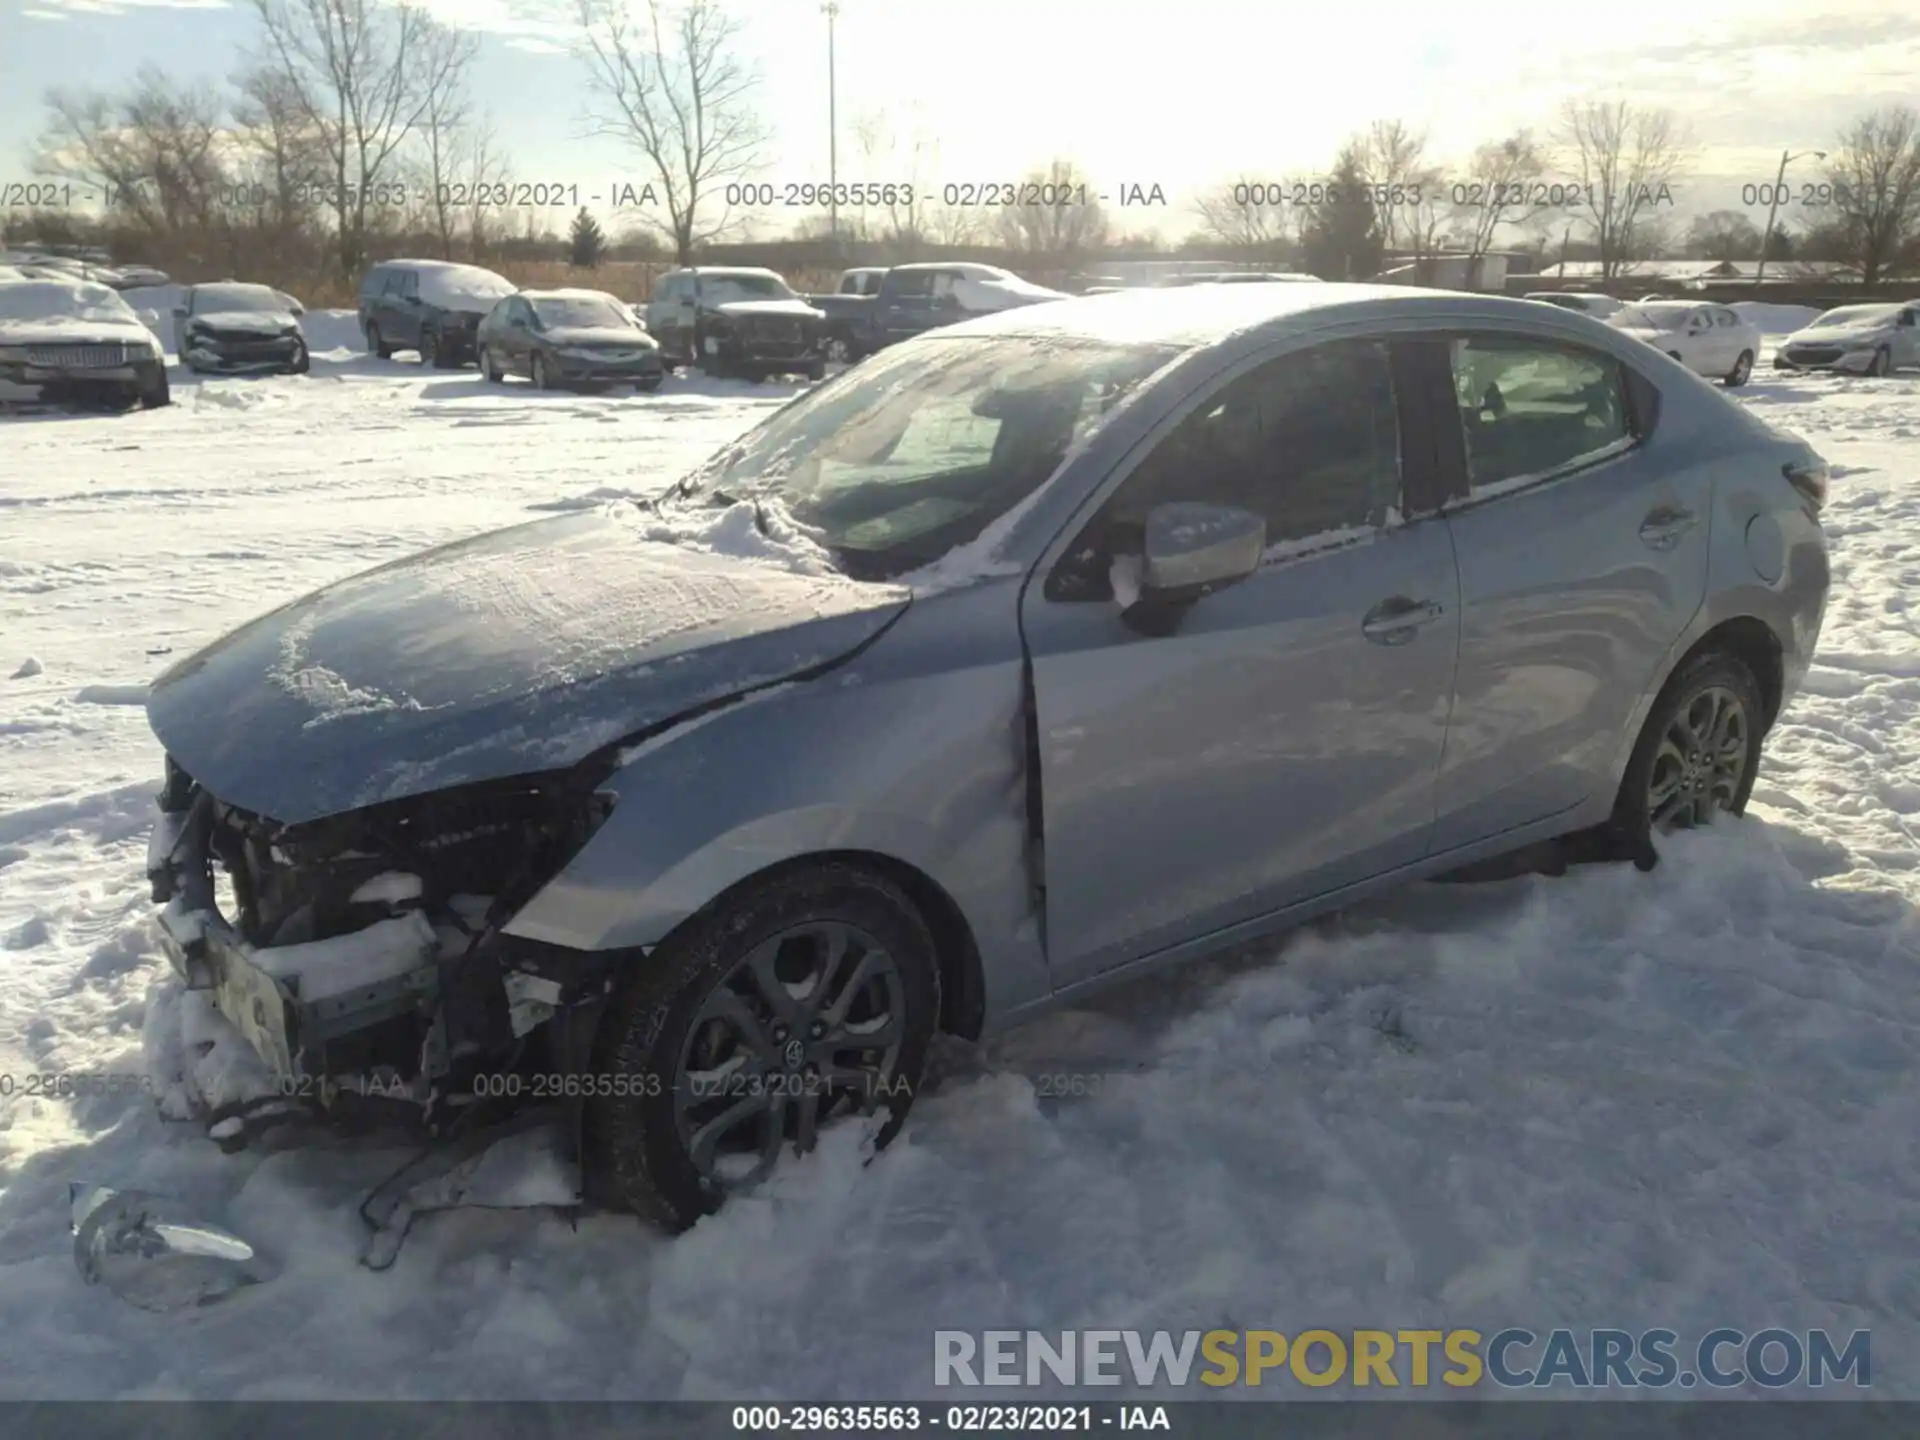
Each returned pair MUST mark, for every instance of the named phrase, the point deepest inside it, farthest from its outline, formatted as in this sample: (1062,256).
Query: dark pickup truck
(877,308)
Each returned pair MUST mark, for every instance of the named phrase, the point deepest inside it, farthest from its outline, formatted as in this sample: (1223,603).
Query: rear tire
(1674,782)
(489,372)
(1882,363)
(1742,371)
(542,378)
(376,343)
(685,1011)
(430,350)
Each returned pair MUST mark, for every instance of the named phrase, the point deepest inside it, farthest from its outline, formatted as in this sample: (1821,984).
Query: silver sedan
(1027,655)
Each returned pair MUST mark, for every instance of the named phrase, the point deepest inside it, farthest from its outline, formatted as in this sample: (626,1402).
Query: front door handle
(1664,527)
(1396,621)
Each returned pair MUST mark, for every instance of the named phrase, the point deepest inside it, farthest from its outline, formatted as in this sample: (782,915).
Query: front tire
(1696,757)
(810,993)
(430,350)
(542,378)
(1742,370)
(1882,363)
(156,394)
(377,344)
(489,372)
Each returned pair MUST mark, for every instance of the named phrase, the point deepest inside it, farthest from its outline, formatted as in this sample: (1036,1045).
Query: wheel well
(963,991)
(1753,643)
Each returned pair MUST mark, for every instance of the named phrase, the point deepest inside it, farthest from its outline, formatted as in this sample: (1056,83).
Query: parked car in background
(76,341)
(232,328)
(1856,340)
(862,280)
(736,321)
(1601,307)
(913,299)
(568,339)
(1712,340)
(432,307)
(1073,640)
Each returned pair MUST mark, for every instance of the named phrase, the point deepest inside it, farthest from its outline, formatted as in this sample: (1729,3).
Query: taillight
(1809,477)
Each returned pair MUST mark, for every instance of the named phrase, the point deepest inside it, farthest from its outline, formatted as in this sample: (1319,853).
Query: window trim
(1641,397)
(1418,472)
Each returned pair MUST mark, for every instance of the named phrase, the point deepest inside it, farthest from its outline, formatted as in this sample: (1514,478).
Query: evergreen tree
(1340,239)
(588,242)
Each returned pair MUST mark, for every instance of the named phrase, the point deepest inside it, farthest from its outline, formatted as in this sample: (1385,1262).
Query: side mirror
(1193,548)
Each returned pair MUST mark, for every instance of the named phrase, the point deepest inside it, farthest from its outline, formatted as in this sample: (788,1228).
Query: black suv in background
(736,321)
(433,307)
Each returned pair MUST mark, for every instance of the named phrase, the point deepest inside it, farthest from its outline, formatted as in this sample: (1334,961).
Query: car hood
(60,330)
(600,337)
(1836,334)
(522,650)
(792,309)
(251,322)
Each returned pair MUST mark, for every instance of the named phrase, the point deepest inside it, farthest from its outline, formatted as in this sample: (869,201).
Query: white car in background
(1600,307)
(1712,340)
(1856,340)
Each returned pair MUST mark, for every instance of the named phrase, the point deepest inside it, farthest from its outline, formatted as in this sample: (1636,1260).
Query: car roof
(725,270)
(1190,315)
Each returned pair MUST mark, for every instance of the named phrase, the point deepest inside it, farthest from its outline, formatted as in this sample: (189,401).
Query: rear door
(1282,739)
(1906,337)
(1583,556)
(906,304)
(403,309)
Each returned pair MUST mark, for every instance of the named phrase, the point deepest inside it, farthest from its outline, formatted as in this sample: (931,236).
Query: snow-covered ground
(1687,1099)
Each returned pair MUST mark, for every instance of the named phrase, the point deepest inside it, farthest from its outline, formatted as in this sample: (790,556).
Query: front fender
(925,769)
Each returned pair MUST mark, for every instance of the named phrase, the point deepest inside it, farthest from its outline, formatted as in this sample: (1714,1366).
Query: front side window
(1532,407)
(913,284)
(731,289)
(1310,442)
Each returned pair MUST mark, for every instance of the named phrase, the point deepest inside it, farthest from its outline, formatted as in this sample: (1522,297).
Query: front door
(1582,560)
(1284,739)
(1906,337)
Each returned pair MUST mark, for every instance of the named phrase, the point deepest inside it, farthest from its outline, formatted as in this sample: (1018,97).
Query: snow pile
(1777,320)
(743,531)
(1004,291)
(332,333)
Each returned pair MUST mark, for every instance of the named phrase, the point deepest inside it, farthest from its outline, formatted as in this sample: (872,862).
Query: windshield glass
(923,446)
(726,289)
(475,288)
(1859,315)
(62,300)
(1658,317)
(563,310)
(209,298)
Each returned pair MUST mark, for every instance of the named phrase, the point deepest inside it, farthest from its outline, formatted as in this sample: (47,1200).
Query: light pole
(1779,184)
(832,9)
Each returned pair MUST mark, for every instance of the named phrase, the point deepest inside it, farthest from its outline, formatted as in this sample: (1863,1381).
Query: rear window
(62,300)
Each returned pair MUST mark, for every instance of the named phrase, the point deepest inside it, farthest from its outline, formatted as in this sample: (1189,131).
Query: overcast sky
(1179,95)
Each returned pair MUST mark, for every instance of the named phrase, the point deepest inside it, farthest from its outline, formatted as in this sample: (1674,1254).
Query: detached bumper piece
(288,1001)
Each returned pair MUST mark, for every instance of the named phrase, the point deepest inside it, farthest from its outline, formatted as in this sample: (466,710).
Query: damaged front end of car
(361,955)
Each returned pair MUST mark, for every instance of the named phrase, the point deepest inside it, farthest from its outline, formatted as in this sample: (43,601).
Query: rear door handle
(1664,527)
(1396,621)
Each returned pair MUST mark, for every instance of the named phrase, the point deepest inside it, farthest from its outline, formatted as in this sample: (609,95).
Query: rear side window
(914,284)
(1530,408)
(375,282)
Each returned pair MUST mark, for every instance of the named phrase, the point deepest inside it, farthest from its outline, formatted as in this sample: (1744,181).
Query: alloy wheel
(808,1025)
(1700,761)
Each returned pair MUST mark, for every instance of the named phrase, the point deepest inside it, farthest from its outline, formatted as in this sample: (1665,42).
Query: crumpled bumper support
(285,1030)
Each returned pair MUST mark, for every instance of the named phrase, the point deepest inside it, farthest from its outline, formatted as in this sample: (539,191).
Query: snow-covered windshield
(208,299)
(1657,317)
(727,289)
(556,311)
(1850,315)
(466,287)
(920,448)
(62,300)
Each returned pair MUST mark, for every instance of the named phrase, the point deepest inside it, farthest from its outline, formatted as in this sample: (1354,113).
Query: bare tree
(1500,186)
(673,88)
(157,151)
(1625,161)
(481,169)
(1875,176)
(355,66)
(1723,235)
(446,113)
(899,221)
(283,155)
(1394,164)
(1249,217)
(1064,222)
